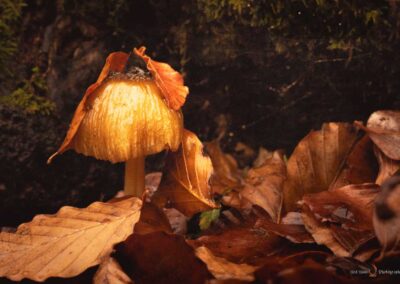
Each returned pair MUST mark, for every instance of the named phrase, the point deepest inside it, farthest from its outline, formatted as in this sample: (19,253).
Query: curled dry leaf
(184,184)
(264,185)
(169,81)
(341,218)
(222,269)
(317,161)
(160,258)
(226,175)
(115,62)
(152,219)
(387,166)
(384,129)
(110,272)
(67,243)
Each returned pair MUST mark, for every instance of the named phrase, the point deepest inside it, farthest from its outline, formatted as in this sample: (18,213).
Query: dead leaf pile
(330,213)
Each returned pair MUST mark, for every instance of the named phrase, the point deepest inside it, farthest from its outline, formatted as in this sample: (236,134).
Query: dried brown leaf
(184,184)
(341,219)
(169,81)
(160,258)
(226,175)
(110,272)
(241,244)
(294,233)
(384,129)
(387,166)
(264,185)
(317,161)
(351,205)
(67,243)
(152,219)
(222,269)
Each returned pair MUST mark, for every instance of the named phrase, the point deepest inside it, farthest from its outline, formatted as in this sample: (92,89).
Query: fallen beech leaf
(169,81)
(115,62)
(359,166)
(341,218)
(110,272)
(160,258)
(322,233)
(226,175)
(240,244)
(317,161)
(67,243)
(184,184)
(264,185)
(351,205)
(152,219)
(222,269)
(384,129)
(387,166)
(294,233)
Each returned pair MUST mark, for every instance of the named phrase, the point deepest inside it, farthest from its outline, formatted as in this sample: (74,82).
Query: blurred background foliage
(260,72)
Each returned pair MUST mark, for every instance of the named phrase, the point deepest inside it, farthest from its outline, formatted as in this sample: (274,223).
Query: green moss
(10,15)
(27,97)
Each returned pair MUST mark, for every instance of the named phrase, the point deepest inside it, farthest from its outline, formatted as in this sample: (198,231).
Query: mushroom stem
(134,177)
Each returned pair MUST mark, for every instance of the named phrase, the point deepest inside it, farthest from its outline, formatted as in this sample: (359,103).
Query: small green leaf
(208,217)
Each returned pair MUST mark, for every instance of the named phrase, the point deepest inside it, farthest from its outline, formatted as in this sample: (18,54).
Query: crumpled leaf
(115,62)
(160,258)
(184,184)
(293,232)
(67,243)
(169,81)
(240,244)
(387,166)
(317,161)
(341,218)
(152,219)
(222,269)
(384,129)
(264,185)
(110,272)
(226,175)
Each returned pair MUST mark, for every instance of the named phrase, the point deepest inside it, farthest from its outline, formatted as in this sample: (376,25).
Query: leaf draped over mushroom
(115,62)
(169,81)
(320,160)
(67,243)
(184,184)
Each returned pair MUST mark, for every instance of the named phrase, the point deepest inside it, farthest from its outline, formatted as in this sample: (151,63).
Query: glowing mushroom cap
(128,118)
(131,111)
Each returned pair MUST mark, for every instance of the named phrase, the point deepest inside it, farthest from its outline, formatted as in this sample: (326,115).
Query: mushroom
(130,112)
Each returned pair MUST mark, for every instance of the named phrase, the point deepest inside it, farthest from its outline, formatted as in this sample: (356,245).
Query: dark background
(263,73)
